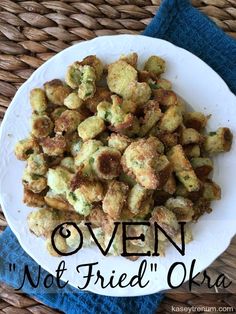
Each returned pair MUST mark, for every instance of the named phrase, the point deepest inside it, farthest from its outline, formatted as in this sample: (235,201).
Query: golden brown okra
(115,199)
(91,127)
(56,92)
(38,100)
(219,141)
(155,65)
(183,168)
(26,147)
(41,125)
(171,119)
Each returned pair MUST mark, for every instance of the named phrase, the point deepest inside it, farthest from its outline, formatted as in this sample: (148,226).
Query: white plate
(201,87)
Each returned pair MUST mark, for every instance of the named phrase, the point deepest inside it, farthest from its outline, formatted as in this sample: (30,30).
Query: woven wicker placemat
(31,32)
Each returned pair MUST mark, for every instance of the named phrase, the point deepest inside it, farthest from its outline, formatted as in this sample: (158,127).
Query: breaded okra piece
(81,205)
(44,220)
(163,169)
(84,159)
(32,199)
(211,190)
(120,74)
(55,114)
(83,197)
(96,63)
(98,218)
(137,195)
(166,219)
(57,201)
(219,141)
(106,163)
(38,100)
(195,120)
(114,114)
(155,65)
(56,92)
(87,88)
(68,121)
(37,164)
(26,147)
(82,77)
(34,182)
(163,83)
(152,114)
(68,163)
(91,127)
(171,119)
(41,125)
(101,94)
(182,208)
(202,166)
(192,151)
(73,143)
(122,80)
(74,240)
(92,190)
(115,199)
(145,209)
(136,231)
(118,141)
(191,136)
(168,139)
(60,244)
(72,101)
(183,168)
(139,160)
(131,59)
(133,130)
(166,98)
(170,185)
(53,146)
(59,180)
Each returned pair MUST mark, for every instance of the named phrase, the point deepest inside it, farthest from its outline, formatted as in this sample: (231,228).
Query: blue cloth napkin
(178,22)
(181,24)
(68,300)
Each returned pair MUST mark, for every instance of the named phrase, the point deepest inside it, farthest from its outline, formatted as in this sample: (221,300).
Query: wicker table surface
(31,32)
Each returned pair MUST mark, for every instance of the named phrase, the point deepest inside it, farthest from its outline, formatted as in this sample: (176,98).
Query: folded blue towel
(181,24)
(69,299)
(178,22)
